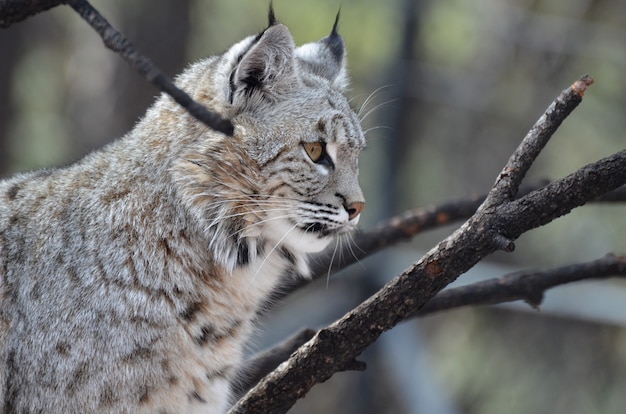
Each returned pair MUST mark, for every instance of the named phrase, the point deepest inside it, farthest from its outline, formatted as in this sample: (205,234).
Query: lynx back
(129,281)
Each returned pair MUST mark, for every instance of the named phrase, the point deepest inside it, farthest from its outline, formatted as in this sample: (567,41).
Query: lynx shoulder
(130,280)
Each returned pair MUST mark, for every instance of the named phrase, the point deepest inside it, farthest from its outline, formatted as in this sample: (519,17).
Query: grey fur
(129,281)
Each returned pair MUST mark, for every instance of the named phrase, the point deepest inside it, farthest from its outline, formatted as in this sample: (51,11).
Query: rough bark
(14,11)
(528,286)
(494,226)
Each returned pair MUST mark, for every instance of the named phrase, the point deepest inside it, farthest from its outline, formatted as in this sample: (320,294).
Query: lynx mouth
(321,229)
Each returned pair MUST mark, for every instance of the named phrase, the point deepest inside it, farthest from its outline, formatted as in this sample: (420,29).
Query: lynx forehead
(130,281)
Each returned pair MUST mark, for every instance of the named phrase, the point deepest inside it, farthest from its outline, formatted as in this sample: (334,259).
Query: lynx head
(289,175)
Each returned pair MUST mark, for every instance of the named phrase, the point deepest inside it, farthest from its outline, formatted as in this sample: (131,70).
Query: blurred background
(453,86)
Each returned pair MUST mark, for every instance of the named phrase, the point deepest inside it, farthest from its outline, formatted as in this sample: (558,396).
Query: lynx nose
(354,209)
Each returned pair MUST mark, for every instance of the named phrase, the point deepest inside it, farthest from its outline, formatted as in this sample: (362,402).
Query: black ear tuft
(266,70)
(334,42)
(271,16)
(335,30)
(326,58)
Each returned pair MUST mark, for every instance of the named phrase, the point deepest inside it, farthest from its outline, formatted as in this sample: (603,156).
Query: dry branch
(497,220)
(529,286)
(509,180)
(257,367)
(404,227)
(265,362)
(115,41)
(12,11)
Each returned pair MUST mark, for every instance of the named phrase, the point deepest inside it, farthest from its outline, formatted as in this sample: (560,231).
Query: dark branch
(615,196)
(509,180)
(404,227)
(115,41)
(528,286)
(14,11)
(265,362)
(560,197)
(333,347)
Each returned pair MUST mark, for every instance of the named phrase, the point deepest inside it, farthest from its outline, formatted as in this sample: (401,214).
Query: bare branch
(560,197)
(404,227)
(338,344)
(509,180)
(115,41)
(615,196)
(265,362)
(528,285)
(14,11)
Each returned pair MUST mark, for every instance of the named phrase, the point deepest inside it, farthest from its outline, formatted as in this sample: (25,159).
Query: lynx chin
(129,281)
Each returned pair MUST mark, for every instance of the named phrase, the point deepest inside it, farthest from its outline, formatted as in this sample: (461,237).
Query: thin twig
(115,41)
(509,180)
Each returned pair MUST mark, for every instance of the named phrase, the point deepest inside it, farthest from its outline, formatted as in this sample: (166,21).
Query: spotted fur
(130,280)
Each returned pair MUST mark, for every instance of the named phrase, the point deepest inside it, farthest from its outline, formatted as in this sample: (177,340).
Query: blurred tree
(10,47)
(101,113)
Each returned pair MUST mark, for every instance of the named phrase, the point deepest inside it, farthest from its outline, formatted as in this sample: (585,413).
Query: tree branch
(528,285)
(261,364)
(14,11)
(341,342)
(403,228)
(509,180)
(115,41)
(615,196)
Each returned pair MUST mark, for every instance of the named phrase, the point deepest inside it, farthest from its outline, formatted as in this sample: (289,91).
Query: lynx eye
(315,150)
(318,154)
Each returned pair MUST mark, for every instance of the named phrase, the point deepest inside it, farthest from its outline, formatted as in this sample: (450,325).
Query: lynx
(130,280)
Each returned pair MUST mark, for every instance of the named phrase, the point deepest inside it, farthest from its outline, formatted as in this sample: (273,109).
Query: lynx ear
(326,58)
(267,69)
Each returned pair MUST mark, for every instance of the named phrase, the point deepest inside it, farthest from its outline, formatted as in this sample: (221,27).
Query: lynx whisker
(259,223)
(272,250)
(368,130)
(332,259)
(352,244)
(216,220)
(191,217)
(376,107)
(370,98)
